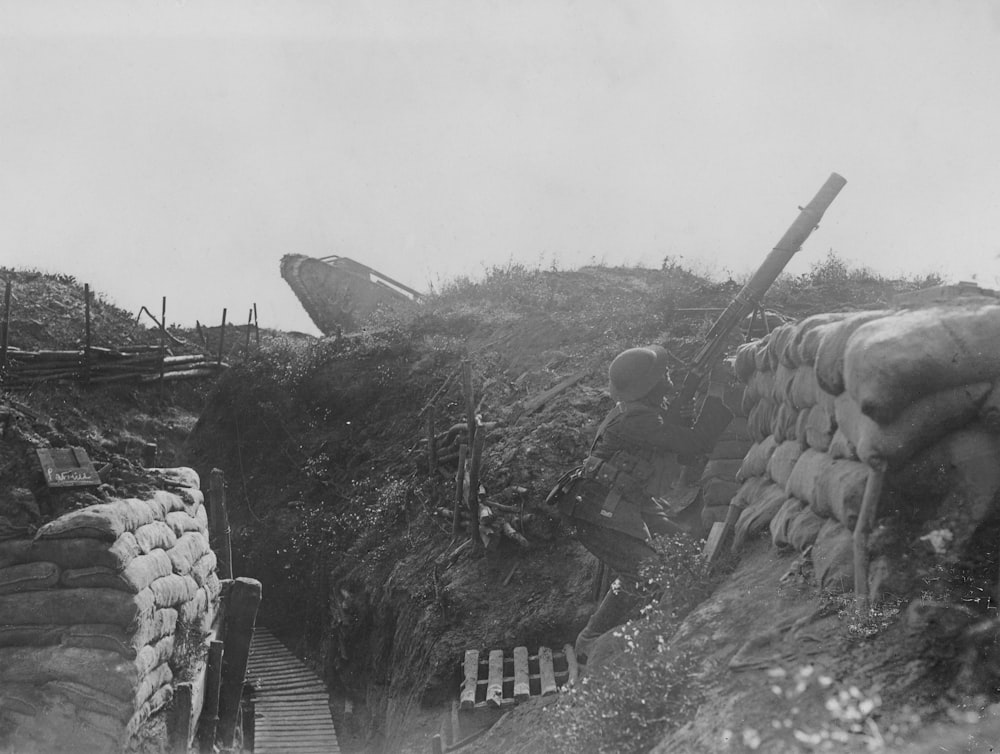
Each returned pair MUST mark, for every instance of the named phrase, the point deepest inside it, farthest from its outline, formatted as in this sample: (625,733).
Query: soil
(335,509)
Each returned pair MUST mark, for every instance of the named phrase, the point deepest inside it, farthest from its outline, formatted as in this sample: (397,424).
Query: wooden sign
(67,467)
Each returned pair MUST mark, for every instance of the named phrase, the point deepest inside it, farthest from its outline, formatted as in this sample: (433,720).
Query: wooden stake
(244,599)
(149,455)
(86,318)
(6,327)
(219,523)
(163,336)
(477,456)
(179,724)
(463,453)
(256,327)
(470,400)
(432,461)
(862,530)
(210,711)
(246,348)
(222,335)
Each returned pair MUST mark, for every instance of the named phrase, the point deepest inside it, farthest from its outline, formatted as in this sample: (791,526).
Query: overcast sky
(179,149)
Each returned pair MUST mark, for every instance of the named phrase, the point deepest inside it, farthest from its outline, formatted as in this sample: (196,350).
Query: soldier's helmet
(636,371)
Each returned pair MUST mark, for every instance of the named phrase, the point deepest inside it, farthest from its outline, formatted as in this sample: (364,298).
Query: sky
(179,149)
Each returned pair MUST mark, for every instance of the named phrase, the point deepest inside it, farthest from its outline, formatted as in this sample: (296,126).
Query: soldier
(615,502)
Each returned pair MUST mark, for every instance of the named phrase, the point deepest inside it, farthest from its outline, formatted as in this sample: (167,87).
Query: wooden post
(463,454)
(210,710)
(256,327)
(246,348)
(222,335)
(432,460)
(862,529)
(179,724)
(248,720)
(163,338)
(219,523)
(470,400)
(477,455)
(6,327)
(86,319)
(244,599)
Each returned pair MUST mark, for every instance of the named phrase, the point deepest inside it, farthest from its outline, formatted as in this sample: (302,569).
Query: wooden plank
(713,545)
(467,695)
(572,668)
(521,688)
(545,671)
(494,688)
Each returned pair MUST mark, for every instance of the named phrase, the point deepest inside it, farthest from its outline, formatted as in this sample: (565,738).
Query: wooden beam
(494,686)
(521,688)
(241,614)
(467,695)
(862,530)
(546,672)
(572,666)
(541,399)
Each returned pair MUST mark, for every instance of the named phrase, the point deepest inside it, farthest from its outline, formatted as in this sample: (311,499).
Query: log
(241,613)
(218,520)
(532,405)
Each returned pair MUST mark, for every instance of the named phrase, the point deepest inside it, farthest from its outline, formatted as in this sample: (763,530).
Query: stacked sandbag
(718,479)
(91,612)
(912,391)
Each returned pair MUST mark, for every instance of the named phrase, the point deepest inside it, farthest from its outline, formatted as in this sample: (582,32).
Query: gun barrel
(751,293)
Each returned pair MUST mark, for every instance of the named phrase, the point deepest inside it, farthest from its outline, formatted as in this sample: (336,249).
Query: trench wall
(912,391)
(100,613)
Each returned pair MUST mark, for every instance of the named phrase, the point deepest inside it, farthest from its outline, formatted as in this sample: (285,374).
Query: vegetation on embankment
(332,503)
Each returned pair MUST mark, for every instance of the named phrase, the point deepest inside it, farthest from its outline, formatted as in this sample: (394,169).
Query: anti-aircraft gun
(747,301)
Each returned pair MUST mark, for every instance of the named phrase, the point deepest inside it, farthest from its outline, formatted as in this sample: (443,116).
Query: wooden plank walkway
(291,704)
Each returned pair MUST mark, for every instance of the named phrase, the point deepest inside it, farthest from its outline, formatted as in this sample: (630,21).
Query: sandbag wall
(718,479)
(98,612)
(910,391)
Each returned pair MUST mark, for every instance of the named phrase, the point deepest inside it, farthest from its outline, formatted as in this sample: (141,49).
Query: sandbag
(173,590)
(842,447)
(777,342)
(779,524)
(716,492)
(917,426)
(195,609)
(829,362)
(760,419)
(105,521)
(820,425)
(207,564)
(755,462)
(803,529)
(152,655)
(105,670)
(783,378)
(760,386)
(189,549)
(182,522)
(783,425)
(168,502)
(136,576)
(794,353)
(69,606)
(833,557)
(28,576)
(749,491)
(88,698)
(919,353)
(801,427)
(840,488)
(802,480)
(757,516)
(803,388)
(33,635)
(157,701)
(743,364)
(71,553)
(155,536)
(782,461)
(760,358)
(179,476)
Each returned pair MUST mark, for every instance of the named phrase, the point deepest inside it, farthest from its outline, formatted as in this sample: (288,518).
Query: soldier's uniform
(614,502)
